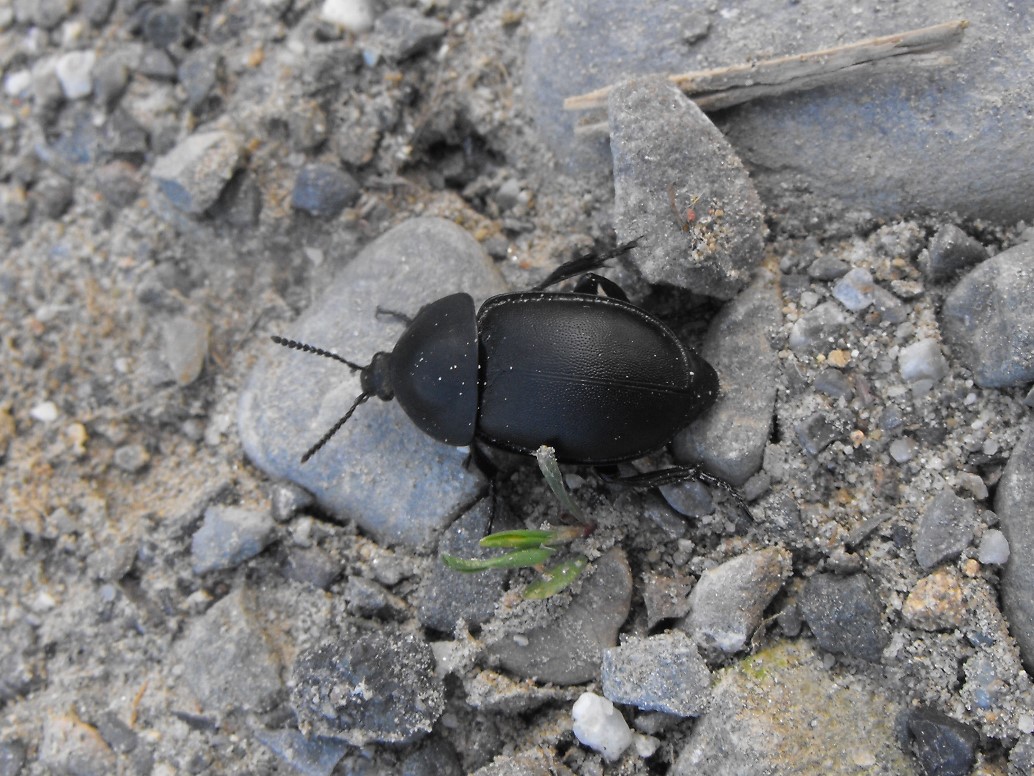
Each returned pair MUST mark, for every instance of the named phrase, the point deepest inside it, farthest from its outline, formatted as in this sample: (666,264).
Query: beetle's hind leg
(669,476)
(583,264)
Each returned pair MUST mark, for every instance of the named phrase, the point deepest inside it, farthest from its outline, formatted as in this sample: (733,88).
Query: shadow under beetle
(585,372)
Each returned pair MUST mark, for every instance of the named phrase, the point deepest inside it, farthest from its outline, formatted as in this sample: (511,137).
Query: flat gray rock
(380,469)
(569,650)
(989,319)
(781,712)
(679,186)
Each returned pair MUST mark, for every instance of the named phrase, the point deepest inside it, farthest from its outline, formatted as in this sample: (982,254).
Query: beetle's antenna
(295,345)
(336,427)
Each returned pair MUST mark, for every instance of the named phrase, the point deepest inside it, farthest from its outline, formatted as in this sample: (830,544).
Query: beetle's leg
(478,458)
(591,283)
(584,263)
(672,475)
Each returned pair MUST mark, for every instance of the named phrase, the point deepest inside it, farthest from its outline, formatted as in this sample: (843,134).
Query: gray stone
(1013,498)
(659,673)
(818,330)
(110,78)
(379,469)
(855,290)
(70,746)
(186,348)
(946,528)
(729,440)
(400,33)
(728,602)
(844,615)
(445,596)
(199,75)
(922,360)
(369,685)
(781,712)
(828,268)
(994,548)
(666,597)
(227,659)
(818,141)
(312,566)
(669,156)
(943,746)
(323,190)
(951,251)
(989,319)
(315,756)
(817,432)
(569,650)
(229,536)
(193,174)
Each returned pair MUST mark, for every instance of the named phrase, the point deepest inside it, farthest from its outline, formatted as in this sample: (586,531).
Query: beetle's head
(374,379)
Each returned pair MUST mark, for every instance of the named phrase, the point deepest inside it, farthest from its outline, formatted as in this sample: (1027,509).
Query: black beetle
(586,372)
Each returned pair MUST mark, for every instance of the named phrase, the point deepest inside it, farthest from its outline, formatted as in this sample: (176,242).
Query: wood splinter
(723,87)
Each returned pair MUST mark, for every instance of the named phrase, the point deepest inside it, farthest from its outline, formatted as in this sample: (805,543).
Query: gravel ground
(180,181)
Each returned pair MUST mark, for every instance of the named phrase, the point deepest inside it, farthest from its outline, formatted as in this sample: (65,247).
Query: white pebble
(45,412)
(994,548)
(75,72)
(922,360)
(354,15)
(18,83)
(600,726)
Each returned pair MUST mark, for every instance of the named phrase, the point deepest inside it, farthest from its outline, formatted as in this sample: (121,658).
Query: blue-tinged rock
(315,756)
(380,469)
(943,746)
(323,190)
(193,174)
(989,319)
(1013,501)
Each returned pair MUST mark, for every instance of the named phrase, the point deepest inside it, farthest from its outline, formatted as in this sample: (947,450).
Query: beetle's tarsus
(584,263)
(672,475)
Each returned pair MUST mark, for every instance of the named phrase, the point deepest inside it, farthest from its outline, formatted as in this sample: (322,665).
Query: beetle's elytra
(595,377)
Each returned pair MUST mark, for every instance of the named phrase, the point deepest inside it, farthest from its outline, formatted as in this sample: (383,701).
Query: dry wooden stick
(723,87)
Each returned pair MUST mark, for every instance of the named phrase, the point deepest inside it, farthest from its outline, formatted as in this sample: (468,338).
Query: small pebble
(323,190)
(945,529)
(74,71)
(132,458)
(186,348)
(45,412)
(844,615)
(855,290)
(193,174)
(922,360)
(943,746)
(354,15)
(228,536)
(994,548)
(599,726)
(936,602)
